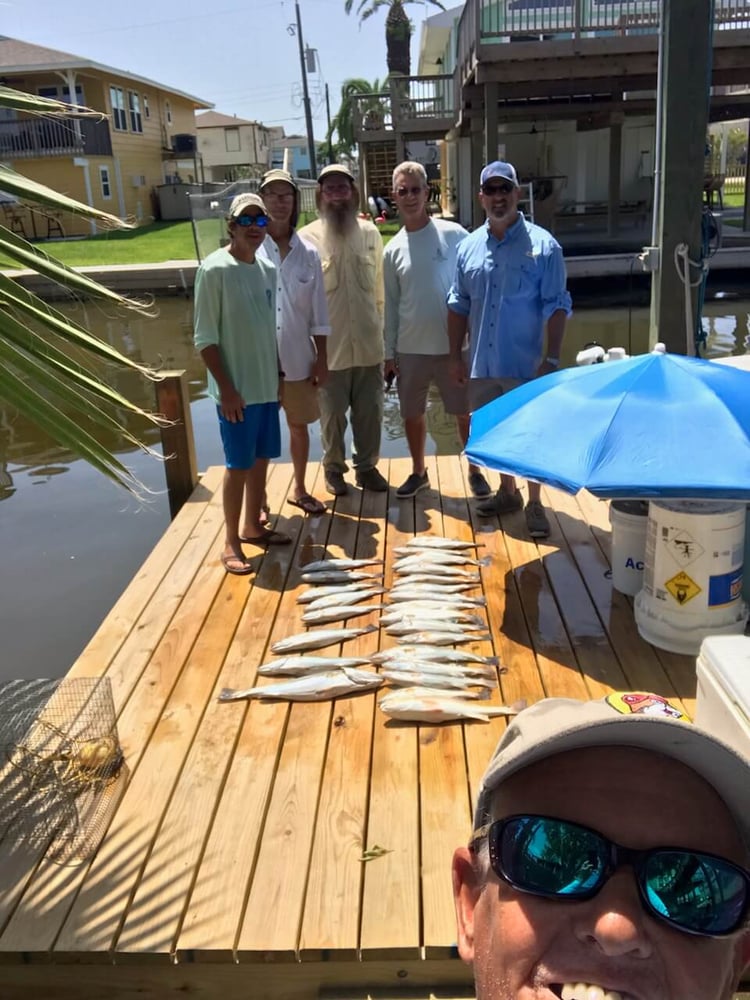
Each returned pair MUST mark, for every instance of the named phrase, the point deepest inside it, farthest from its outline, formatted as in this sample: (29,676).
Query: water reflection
(71,541)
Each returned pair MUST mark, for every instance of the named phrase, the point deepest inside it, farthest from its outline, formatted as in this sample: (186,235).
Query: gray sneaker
(413,485)
(503,502)
(335,482)
(371,479)
(536,519)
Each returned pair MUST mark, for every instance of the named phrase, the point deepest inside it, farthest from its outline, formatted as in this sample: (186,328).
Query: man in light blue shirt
(509,282)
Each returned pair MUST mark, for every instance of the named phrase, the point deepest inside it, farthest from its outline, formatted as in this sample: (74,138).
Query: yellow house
(147,138)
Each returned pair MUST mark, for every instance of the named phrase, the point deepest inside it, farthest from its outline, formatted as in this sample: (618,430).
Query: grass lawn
(151,244)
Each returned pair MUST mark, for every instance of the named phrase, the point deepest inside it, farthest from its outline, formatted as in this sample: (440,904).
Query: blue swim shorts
(257,435)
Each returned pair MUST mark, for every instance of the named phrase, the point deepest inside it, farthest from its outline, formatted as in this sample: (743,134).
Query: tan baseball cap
(277,175)
(242,201)
(335,168)
(622,719)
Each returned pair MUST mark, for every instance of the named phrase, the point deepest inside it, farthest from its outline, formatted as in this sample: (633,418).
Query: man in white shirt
(418,267)
(302,326)
(351,251)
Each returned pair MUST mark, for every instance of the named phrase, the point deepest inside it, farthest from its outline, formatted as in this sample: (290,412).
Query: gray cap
(277,175)
(622,719)
(335,168)
(242,201)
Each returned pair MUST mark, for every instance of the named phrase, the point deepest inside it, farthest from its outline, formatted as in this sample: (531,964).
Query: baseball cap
(242,201)
(335,168)
(499,169)
(624,718)
(277,175)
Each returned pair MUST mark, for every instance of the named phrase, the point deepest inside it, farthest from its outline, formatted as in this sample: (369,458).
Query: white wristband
(555,362)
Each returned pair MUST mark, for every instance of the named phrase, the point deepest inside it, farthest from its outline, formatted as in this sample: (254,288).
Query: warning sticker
(682,588)
(681,545)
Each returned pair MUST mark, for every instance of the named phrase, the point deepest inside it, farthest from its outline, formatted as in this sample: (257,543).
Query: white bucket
(692,575)
(628,519)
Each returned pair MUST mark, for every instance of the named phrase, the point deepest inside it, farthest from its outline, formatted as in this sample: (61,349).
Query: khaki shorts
(416,372)
(300,401)
(484,390)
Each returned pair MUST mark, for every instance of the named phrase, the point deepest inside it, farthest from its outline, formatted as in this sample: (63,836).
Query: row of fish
(428,611)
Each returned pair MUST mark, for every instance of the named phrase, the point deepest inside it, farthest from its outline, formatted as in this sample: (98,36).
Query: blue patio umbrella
(652,426)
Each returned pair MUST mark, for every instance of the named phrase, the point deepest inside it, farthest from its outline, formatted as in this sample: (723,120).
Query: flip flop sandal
(236,564)
(265,514)
(269,538)
(309,504)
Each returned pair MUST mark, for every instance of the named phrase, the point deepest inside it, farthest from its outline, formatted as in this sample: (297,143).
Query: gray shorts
(416,372)
(484,390)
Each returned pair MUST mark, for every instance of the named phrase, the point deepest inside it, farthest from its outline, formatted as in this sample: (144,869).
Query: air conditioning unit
(139,180)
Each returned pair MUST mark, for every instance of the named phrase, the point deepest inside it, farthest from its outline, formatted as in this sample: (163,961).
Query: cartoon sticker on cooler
(644,703)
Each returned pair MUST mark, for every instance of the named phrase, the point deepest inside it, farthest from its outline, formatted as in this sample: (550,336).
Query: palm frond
(25,188)
(18,100)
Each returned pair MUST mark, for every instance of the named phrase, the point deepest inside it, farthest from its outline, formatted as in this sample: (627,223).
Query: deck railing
(47,137)
(488,21)
(409,99)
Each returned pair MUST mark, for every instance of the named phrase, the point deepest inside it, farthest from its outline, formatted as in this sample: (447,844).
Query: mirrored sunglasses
(492,189)
(259,220)
(403,191)
(691,891)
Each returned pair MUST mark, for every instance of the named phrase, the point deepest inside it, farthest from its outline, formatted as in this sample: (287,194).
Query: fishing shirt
(353,279)
(301,307)
(235,308)
(418,269)
(508,288)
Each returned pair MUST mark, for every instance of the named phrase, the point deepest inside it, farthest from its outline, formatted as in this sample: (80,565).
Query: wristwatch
(555,362)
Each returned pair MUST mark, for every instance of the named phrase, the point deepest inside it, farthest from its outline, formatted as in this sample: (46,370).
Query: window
(134,104)
(146,109)
(104,179)
(168,112)
(61,93)
(117,101)
(232,140)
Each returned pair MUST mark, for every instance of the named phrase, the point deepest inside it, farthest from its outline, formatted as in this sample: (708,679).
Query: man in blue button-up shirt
(509,282)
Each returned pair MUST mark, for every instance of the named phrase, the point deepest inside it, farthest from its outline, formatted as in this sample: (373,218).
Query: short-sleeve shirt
(235,308)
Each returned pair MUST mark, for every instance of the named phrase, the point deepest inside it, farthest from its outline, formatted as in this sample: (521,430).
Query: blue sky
(239,56)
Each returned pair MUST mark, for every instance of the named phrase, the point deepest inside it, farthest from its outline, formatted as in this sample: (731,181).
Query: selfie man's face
(607,947)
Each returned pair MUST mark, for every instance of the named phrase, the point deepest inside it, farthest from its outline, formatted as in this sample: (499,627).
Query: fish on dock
(318,638)
(340,599)
(427,570)
(430,709)
(412,663)
(442,638)
(322,616)
(312,687)
(436,653)
(342,589)
(406,626)
(405,693)
(438,557)
(437,611)
(338,576)
(298,666)
(408,678)
(320,565)
(409,590)
(437,542)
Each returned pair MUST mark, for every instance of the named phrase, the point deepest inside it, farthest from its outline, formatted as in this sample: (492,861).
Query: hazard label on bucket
(682,588)
(681,545)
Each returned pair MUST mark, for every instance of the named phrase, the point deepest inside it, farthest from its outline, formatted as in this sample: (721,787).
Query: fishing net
(61,765)
(208,212)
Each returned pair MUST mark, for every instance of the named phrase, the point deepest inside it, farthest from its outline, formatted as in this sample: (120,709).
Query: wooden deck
(232,864)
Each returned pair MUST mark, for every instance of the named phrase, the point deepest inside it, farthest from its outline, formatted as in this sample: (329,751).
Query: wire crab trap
(62,767)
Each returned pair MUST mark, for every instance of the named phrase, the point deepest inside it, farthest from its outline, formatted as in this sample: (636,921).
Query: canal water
(70,541)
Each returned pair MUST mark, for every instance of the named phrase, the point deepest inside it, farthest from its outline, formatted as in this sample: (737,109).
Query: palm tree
(342,122)
(398,29)
(44,373)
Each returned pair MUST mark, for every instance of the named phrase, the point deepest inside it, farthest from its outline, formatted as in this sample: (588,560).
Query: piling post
(177,439)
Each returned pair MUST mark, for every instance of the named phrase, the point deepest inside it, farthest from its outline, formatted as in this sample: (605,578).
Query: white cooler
(723,704)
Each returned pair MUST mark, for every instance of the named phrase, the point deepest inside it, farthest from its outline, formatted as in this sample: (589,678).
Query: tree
(342,122)
(43,353)
(398,29)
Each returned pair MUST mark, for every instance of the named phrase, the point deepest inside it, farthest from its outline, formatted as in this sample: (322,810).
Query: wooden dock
(232,866)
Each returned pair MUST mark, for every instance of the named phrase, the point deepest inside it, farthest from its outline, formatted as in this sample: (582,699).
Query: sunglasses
(492,189)
(252,220)
(688,890)
(403,191)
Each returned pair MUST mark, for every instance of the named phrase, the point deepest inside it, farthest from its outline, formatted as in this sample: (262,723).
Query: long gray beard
(340,219)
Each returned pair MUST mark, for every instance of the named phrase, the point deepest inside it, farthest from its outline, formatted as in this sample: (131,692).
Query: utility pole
(330,137)
(306,95)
